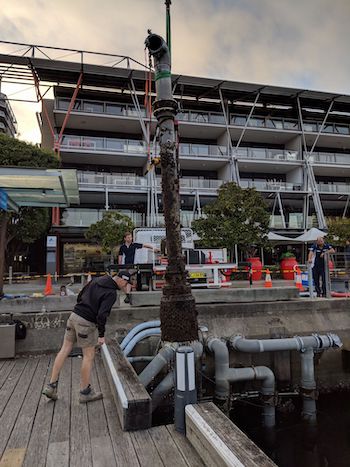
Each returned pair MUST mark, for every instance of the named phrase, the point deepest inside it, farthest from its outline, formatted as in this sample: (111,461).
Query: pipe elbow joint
(156,45)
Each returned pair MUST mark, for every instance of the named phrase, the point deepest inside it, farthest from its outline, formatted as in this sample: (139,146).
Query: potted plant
(287,265)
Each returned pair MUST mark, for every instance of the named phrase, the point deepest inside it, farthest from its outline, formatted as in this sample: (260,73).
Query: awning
(311,235)
(273,237)
(38,187)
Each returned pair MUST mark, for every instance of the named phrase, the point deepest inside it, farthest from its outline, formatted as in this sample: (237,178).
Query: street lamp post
(178,314)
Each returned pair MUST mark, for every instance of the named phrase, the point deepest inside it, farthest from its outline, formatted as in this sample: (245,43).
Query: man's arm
(151,247)
(103,312)
(311,254)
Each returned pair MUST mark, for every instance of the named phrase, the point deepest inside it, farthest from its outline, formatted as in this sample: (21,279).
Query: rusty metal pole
(178,314)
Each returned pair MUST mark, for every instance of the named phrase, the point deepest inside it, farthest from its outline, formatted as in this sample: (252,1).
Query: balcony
(190,185)
(80,217)
(330,158)
(100,107)
(268,154)
(97,144)
(202,150)
(115,109)
(265,122)
(343,188)
(114,182)
(266,185)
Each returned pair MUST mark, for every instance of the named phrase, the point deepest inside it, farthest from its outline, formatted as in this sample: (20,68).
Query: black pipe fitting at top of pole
(165,102)
(178,314)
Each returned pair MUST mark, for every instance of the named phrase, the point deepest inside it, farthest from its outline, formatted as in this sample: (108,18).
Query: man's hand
(101,341)
(156,250)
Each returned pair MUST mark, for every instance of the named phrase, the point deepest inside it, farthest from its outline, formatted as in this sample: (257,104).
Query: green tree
(237,217)
(28,224)
(109,231)
(338,230)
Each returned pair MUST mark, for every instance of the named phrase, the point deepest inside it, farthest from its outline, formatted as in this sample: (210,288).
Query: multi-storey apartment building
(292,145)
(8,123)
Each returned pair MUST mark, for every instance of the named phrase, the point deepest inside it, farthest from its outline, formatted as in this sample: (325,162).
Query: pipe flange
(300,343)
(308,393)
(165,105)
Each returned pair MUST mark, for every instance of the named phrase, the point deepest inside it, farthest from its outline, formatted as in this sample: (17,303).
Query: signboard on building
(3,200)
(51,241)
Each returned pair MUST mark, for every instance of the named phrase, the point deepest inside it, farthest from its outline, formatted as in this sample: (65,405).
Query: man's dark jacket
(95,301)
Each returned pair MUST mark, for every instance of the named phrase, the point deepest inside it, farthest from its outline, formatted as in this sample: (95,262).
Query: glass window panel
(94,107)
(115,109)
(217,118)
(343,130)
(238,120)
(290,125)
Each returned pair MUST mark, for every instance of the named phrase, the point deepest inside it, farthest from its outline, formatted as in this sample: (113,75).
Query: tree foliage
(28,224)
(110,230)
(237,217)
(16,153)
(338,230)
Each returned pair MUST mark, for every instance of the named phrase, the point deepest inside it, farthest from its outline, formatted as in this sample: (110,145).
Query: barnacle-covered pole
(178,314)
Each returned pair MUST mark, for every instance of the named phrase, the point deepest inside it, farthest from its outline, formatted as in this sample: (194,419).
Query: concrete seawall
(255,319)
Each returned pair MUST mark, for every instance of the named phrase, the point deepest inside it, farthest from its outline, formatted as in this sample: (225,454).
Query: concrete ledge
(223,296)
(134,404)
(218,441)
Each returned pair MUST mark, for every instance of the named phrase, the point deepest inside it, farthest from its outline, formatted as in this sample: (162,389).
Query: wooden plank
(58,449)
(5,370)
(123,447)
(20,435)
(189,453)
(101,445)
(10,383)
(80,446)
(39,436)
(58,454)
(145,449)
(134,404)
(166,447)
(14,404)
(12,458)
(219,441)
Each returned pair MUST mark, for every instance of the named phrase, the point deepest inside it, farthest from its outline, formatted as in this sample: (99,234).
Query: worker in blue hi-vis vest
(317,255)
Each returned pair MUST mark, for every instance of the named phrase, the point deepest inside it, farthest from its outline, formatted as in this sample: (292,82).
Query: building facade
(8,123)
(292,145)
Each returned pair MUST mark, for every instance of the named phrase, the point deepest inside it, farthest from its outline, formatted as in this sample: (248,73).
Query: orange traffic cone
(268,281)
(48,287)
(298,283)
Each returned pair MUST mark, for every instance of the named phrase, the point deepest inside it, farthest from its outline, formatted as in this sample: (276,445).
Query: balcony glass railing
(96,144)
(267,185)
(204,117)
(268,154)
(202,150)
(330,158)
(100,107)
(197,183)
(333,187)
(80,217)
(265,122)
(111,180)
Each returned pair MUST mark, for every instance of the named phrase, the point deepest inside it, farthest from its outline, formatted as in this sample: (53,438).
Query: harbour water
(293,443)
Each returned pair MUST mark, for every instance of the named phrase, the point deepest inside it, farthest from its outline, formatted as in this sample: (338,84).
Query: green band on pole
(162,74)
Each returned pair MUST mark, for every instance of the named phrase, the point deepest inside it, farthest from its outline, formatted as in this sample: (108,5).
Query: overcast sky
(297,43)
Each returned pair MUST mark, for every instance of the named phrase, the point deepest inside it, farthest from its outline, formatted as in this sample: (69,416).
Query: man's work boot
(89,395)
(127,298)
(50,391)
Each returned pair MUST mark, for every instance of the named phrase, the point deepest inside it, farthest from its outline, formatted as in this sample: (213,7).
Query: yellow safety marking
(13,457)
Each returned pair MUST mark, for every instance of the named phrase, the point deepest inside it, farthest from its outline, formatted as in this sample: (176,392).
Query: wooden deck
(36,432)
